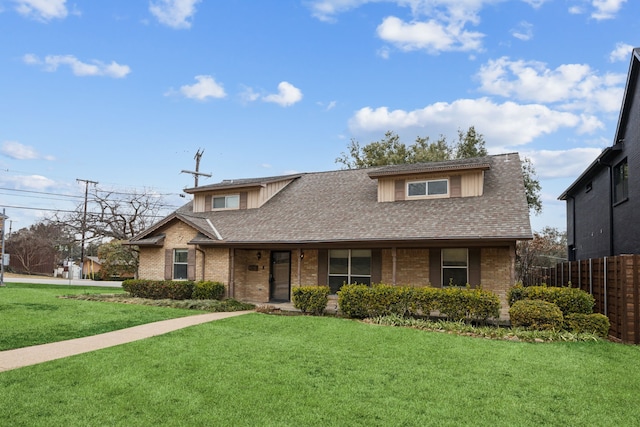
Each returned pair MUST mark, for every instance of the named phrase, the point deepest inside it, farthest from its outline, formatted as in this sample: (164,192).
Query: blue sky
(125,92)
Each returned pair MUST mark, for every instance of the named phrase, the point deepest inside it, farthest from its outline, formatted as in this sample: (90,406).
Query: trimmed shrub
(208,290)
(362,301)
(424,301)
(159,289)
(353,300)
(311,299)
(536,314)
(463,304)
(595,323)
(569,300)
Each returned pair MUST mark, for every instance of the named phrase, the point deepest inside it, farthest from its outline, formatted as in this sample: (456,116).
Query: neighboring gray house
(603,204)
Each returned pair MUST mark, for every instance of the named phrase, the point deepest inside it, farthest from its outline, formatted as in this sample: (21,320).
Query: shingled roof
(342,206)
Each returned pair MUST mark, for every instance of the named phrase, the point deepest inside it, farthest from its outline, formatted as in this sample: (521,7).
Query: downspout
(571,252)
(611,242)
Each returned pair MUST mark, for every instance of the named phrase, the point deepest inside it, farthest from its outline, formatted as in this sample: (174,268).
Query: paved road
(54,281)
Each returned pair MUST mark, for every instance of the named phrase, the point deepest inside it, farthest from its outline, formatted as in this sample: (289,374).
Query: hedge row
(311,299)
(362,301)
(552,308)
(177,290)
(568,300)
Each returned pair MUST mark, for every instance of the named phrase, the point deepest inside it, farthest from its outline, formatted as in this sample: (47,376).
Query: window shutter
(399,189)
(191,264)
(474,267)
(243,200)
(456,186)
(168,264)
(323,267)
(376,266)
(435,266)
(208,203)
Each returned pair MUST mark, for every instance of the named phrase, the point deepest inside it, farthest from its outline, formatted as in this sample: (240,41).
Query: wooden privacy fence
(614,283)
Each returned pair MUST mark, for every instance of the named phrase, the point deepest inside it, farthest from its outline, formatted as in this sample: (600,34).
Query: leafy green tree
(391,151)
(470,144)
(547,249)
(118,260)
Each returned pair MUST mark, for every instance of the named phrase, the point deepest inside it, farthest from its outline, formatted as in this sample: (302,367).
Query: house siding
(596,227)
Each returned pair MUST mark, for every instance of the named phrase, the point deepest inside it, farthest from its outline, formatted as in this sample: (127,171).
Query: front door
(280,276)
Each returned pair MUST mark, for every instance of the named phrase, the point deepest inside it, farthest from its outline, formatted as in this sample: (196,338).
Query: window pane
(180,255)
(454,257)
(621,182)
(339,261)
(180,271)
(361,262)
(361,280)
(417,188)
(233,202)
(218,203)
(437,187)
(336,282)
(454,276)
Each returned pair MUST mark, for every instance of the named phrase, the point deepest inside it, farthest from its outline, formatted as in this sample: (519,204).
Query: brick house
(604,201)
(439,224)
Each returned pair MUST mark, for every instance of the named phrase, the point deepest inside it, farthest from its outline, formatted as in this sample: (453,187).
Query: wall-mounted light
(259,255)
(301,254)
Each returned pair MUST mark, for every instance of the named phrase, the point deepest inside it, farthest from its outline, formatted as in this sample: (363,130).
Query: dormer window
(226,202)
(426,188)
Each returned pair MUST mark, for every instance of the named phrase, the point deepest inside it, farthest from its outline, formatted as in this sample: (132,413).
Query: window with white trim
(180,261)
(226,202)
(455,267)
(349,266)
(426,188)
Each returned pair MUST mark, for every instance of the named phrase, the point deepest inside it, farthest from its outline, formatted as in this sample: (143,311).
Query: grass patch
(267,370)
(34,314)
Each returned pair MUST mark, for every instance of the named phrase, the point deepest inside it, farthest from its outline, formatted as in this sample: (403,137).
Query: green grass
(33,314)
(264,370)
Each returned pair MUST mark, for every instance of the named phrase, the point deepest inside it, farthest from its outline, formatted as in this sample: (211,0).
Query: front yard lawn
(263,370)
(32,314)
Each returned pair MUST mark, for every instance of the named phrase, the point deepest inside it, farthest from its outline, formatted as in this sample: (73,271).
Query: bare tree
(39,248)
(547,248)
(116,215)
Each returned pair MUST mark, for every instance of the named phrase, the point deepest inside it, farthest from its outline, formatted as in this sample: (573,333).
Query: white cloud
(523,31)
(287,95)
(17,151)
(249,95)
(42,10)
(174,13)
(31,182)
(574,86)
(206,87)
(562,163)
(503,125)
(622,52)
(79,68)
(432,36)
(325,10)
(606,9)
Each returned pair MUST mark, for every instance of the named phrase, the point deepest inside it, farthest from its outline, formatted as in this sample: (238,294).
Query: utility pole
(197,172)
(84,223)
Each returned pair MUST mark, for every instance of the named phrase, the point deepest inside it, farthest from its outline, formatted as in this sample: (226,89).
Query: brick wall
(496,270)
(412,267)
(251,285)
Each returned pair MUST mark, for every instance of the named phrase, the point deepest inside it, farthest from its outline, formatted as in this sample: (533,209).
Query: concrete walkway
(12,359)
